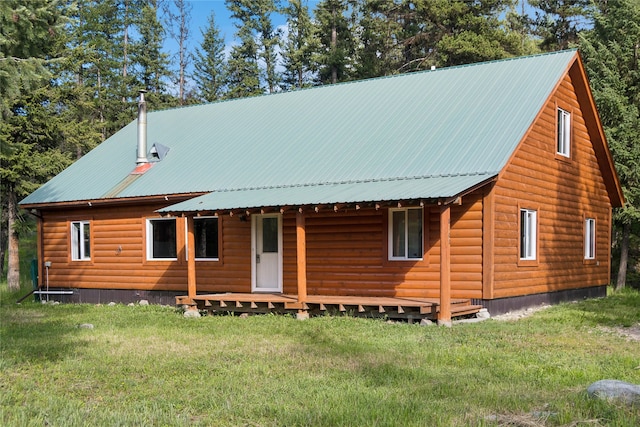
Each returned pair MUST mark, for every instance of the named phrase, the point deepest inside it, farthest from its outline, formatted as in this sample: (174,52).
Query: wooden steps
(393,308)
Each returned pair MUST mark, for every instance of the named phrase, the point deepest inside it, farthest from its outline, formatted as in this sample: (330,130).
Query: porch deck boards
(405,308)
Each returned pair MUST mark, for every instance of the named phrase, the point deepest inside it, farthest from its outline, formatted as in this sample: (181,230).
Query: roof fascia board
(170,198)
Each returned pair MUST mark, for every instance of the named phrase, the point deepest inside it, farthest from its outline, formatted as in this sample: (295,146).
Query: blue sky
(201,9)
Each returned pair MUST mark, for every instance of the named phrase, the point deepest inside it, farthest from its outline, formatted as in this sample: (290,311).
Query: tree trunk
(334,45)
(3,242)
(13,273)
(624,257)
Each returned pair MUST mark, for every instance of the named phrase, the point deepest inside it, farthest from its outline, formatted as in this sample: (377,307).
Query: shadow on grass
(620,308)
(32,332)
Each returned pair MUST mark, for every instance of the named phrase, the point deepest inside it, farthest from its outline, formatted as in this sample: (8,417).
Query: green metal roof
(422,135)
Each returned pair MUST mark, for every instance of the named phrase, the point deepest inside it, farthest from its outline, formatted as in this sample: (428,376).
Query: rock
(193,314)
(621,391)
(143,302)
(483,314)
(85,326)
(426,322)
(111,304)
(131,304)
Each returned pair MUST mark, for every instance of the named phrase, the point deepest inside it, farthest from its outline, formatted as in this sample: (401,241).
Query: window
(161,238)
(528,237)
(80,241)
(564,133)
(405,234)
(590,238)
(205,231)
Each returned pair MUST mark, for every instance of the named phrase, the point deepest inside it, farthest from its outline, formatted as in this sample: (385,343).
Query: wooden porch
(409,309)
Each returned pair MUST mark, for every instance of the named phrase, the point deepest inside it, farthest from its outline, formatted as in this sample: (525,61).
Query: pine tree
(558,22)
(243,72)
(28,33)
(181,34)
(335,59)
(611,55)
(475,32)
(209,65)
(378,51)
(269,39)
(299,46)
(151,63)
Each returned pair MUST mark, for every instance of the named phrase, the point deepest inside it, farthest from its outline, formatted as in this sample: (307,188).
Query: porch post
(301,252)
(191,263)
(444,315)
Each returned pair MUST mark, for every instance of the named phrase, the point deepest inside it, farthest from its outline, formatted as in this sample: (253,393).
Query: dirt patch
(631,333)
(519,314)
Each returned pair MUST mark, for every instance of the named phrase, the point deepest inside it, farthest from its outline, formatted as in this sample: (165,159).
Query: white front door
(266,250)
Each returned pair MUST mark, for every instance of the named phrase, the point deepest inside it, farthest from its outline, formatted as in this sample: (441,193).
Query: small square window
(161,238)
(528,234)
(405,234)
(564,133)
(80,240)
(590,238)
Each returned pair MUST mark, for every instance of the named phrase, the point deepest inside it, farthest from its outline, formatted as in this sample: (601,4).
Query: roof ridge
(355,181)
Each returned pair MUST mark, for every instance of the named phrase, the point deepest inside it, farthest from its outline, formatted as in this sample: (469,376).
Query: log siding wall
(564,191)
(346,253)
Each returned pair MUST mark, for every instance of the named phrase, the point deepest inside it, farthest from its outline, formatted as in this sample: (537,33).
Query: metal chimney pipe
(142,130)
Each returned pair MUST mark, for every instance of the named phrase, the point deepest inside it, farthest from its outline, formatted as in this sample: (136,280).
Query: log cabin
(426,194)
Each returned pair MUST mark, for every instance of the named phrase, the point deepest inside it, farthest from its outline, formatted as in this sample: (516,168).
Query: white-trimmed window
(80,240)
(161,239)
(590,238)
(564,133)
(528,234)
(205,231)
(405,234)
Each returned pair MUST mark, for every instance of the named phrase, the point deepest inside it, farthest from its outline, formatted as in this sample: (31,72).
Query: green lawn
(147,365)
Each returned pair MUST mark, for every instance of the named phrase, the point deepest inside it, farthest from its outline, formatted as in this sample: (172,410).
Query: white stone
(192,314)
(143,302)
(483,314)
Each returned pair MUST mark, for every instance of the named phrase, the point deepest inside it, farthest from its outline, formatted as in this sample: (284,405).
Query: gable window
(80,240)
(205,231)
(405,234)
(528,234)
(590,238)
(161,238)
(564,133)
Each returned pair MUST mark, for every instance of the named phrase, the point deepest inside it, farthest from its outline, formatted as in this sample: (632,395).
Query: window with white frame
(205,231)
(528,234)
(405,234)
(161,238)
(564,133)
(80,240)
(590,238)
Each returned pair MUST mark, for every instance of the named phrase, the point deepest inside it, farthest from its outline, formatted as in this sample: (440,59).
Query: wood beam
(488,219)
(444,315)
(191,262)
(301,252)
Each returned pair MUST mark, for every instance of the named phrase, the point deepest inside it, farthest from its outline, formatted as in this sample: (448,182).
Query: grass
(147,365)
